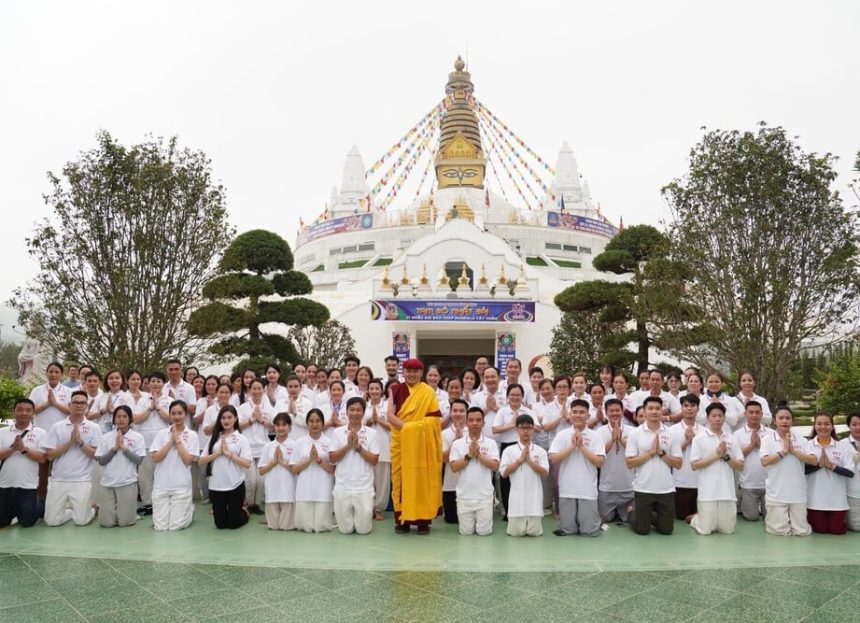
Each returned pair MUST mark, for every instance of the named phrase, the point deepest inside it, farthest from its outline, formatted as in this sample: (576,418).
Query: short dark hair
(356,400)
(392,358)
(283,418)
(535,369)
(172,361)
(715,405)
(579,402)
(158,374)
(179,403)
(127,410)
(475,410)
(79,392)
(656,399)
(460,401)
(55,364)
(514,386)
(23,401)
(754,403)
(691,399)
(524,418)
(613,401)
(352,358)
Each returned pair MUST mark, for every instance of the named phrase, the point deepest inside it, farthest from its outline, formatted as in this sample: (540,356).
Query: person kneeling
(355,453)
(526,464)
(119,454)
(174,450)
(714,455)
(21,456)
(227,459)
(475,458)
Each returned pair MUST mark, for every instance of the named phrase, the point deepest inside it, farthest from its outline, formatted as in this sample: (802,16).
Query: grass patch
(383,261)
(351,264)
(567,263)
(536,261)
(319,269)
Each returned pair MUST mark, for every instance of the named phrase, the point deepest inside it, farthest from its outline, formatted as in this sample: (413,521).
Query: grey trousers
(117,505)
(614,503)
(751,504)
(145,476)
(578,516)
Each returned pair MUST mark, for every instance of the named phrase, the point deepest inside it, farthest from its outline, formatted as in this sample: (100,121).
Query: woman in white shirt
(471,383)
(119,453)
(851,449)
(362,381)
(315,480)
(280,481)
(747,393)
(209,398)
(827,482)
(139,400)
(783,455)
(255,422)
(275,392)
(606,374)
(173,451)
(505,431)
(334,407)
(227,458)
(376,416)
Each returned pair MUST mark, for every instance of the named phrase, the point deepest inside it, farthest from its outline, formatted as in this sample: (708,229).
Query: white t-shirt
(734,410)
(670,402)
(383,435)
(826,490)
(279,481)
(577,476)
(298,414)
(73,465)
(210,416)
(154,423)
(753,476)
(786,480)
(279,395)
(766,415)
(258,432)
(526,497)
(313,484)
(352,473)
(851,450)
(450,478)
(172,474)
(717,480)
(546,413)
(333,413)
(101,405)
(685,477)
(182,391)
(480,400)
(507,416)
(615,475)
(50,416)
(476,479)
(226,473)
(653,476)
(20,472)
(140,405)
(120,471)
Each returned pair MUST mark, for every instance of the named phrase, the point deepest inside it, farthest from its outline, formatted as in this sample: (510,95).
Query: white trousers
(95,482)
(716,516)
(787,519)
(382,485)
(281,515)
(313,516)
(255,487)
(854,514)
(525,526)
(475,516)
(68,501)
(354,512)
(171,510)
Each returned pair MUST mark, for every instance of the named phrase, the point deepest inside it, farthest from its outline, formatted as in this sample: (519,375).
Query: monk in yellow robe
(416,450)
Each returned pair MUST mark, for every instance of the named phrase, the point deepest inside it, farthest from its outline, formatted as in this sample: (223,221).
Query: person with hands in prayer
(314,477)
(174,451)
(475,458)
(119,453)
(526,465)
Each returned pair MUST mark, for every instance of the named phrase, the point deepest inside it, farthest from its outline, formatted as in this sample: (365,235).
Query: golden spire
(460,159)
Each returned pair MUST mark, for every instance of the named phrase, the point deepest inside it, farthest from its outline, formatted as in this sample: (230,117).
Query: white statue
(32,362)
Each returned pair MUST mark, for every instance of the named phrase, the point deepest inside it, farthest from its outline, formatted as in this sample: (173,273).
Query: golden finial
(443,277)
(483,279)
(522,282)
(424,280)
(464,278)
(405,278)
(386,281)
(459,65)
(502,279)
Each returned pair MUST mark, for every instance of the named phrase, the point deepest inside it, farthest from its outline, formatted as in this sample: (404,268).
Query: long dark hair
(216,432)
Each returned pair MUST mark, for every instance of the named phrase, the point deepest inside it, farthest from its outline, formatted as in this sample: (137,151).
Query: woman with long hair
(227,457)
(827,482)
(119,454)
(275,392)
(255,422)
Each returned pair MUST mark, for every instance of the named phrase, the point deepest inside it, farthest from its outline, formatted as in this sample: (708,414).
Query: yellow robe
(416,457)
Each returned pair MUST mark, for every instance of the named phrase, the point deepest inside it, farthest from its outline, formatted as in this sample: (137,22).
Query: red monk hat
(413,364)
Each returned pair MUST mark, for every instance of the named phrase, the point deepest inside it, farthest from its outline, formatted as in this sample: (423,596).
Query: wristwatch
(727,458)
(25,450)
(662,453)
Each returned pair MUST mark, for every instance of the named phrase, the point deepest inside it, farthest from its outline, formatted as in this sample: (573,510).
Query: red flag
(487,197)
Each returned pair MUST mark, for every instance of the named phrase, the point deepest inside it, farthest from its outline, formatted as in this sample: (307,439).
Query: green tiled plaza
(253,574)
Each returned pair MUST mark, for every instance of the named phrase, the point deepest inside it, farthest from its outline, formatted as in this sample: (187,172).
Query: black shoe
(559,532)
(144,511)
(401,529)
(256,510)
(423,529)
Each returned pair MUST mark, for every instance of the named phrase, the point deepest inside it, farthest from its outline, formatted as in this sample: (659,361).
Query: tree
(249,295)
(624,310)
(325,345)
(134,235)
(772,255)
(9,359)
(578,343)
(840,385)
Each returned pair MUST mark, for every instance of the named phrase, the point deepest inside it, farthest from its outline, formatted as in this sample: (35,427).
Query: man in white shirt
(715,454)
(686,479)
(579,453)
(490,399)
(354,452)
(513,370)
(20,457)
(351,364)
(71,445)
(456,431)
(481,364)
(653,454)
(179,389)
(526,465)
(615,489)
(671,405)
(475,458)
(752,479)
(392,375)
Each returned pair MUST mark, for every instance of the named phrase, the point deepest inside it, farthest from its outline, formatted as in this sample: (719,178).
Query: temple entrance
(453,355)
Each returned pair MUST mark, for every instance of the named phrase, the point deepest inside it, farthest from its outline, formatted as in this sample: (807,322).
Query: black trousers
(449,506)
(20,503)
(227,508)
(505,483)
(653,508)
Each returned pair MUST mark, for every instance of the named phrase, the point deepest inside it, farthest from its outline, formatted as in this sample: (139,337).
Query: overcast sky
(276,93)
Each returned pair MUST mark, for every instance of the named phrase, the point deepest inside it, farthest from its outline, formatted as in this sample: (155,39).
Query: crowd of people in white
(311,451)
